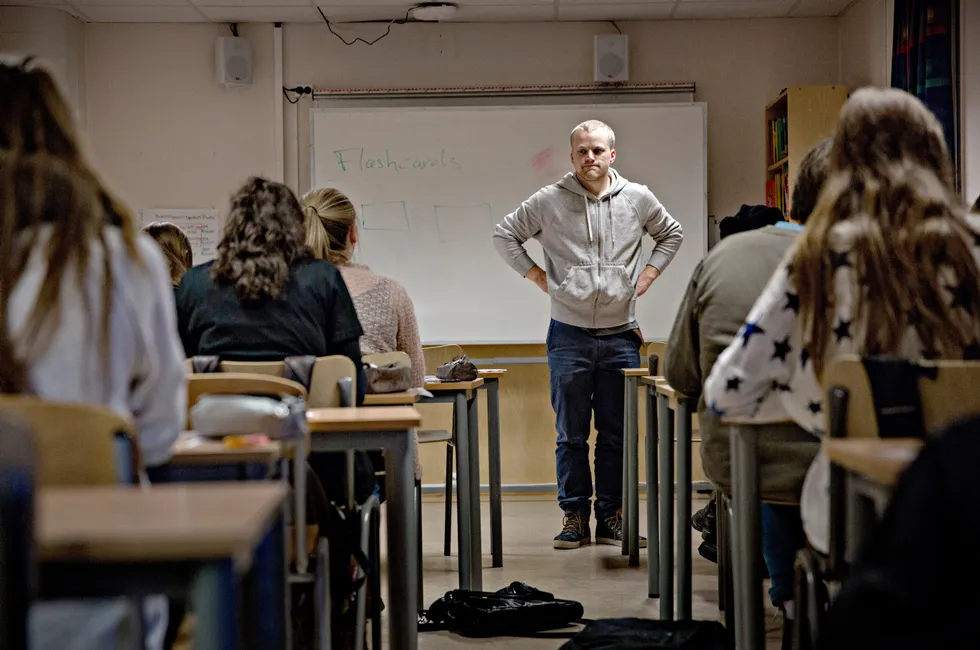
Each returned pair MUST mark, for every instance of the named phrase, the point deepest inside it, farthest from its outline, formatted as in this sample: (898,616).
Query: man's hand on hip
(538,277)
(647,276)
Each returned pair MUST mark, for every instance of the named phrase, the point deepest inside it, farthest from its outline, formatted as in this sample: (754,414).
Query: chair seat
(434,435)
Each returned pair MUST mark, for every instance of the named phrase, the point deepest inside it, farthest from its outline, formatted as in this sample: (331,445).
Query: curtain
(923,59)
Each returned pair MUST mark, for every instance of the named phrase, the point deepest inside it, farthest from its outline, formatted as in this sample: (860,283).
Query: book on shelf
(778,147)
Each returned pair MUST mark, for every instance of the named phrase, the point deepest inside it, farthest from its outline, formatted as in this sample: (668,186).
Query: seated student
(886,265)
(383,306)
(176,248)
(266,297)
(722,290)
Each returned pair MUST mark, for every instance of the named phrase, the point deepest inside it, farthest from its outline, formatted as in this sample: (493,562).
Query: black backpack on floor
(644,634)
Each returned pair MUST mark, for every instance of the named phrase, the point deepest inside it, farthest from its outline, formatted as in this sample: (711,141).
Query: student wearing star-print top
(887,265)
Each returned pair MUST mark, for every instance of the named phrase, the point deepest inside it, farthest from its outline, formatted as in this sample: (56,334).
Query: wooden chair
(947,392)
(77,444)
(437,355)
(325,388)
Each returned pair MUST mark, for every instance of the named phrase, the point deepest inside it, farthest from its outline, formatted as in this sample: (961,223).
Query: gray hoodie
(592,246)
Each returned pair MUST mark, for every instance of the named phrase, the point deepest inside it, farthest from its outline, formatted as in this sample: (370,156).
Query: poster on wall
(201,225)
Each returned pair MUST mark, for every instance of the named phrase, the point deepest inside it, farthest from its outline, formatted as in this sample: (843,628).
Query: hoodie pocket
(578,287)
(617,287)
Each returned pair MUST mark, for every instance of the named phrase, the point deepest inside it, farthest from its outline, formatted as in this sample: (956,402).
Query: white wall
(865,43)
(738,67)
(166,135)
(163,132)
(56,38)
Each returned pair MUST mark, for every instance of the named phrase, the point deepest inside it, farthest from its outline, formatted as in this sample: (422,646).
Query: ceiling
(305,11)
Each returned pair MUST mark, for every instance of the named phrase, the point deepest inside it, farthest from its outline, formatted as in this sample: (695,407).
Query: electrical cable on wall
(299,91)
(396,21)
(234,29)
(616,26)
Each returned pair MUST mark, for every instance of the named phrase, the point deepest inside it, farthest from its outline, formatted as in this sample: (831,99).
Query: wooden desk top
(635,372)
(363,418)
(391,399)
(491,373)
(191,449)
(880,460)
(652,380)
(197,521)
(665,389)
(433,386)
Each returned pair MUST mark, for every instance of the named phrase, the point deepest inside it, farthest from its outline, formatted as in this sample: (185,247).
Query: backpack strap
(895,393)
(203,363)
(299,369)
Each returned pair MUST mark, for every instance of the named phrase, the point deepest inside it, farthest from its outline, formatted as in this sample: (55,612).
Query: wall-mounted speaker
(612,59)
(233,61)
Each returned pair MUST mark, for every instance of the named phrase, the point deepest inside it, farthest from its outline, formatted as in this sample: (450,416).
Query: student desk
(673,426)
(391,399)
(463,396)
(191,449)
(873,468)
(491,383)
(225,544)
(389,428)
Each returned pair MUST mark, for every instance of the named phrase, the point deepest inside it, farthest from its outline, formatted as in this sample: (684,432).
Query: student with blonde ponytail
(887,265)
(383,306)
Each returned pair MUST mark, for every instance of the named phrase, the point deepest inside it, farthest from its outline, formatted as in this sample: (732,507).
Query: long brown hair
(263,235)
(34,117)
(329,215)
(891,183)
(37,190)
(176,248)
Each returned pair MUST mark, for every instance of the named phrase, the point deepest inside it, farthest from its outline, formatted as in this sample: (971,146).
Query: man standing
(590,225)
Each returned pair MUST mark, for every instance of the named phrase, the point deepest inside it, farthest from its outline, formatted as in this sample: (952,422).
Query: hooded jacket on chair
(592,246)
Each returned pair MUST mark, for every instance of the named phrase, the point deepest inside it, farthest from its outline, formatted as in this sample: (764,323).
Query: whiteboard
(202,227)
(430,184)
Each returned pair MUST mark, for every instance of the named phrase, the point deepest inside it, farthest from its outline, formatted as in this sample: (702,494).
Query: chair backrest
(326,389)
(273,368)
(238,383)
(77,444)
(946,397)
(437,355)
(385,358)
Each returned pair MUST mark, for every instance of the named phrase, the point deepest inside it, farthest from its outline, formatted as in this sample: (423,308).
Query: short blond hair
(590,126)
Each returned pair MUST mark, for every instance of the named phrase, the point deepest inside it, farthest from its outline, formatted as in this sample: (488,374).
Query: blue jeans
(586,379)
(782,537)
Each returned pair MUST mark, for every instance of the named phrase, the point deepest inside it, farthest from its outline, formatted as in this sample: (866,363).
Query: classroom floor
(596,576)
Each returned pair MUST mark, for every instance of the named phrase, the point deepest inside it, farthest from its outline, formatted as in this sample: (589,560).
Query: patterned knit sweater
(387,317)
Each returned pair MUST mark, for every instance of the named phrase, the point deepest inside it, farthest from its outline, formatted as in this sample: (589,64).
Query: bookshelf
(795,121)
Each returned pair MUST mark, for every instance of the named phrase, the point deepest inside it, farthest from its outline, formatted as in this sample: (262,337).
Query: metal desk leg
(215,598)
(633,510)
(463,491)
(493,447)
(476,542)
(746,543)
(266,593)
(627,538)
(653,525)
(666,443)
(299,499)
(402,560)
(683,421)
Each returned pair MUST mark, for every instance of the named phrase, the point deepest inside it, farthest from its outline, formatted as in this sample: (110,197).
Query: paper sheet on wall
(202,226)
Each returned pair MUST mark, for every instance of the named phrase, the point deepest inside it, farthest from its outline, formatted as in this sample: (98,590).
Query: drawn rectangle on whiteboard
(463,222)
(391,215)
(202,226)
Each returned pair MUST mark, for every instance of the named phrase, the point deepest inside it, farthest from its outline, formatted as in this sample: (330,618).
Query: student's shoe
(610,531)
(574,533)
(709,551)
(704,519)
